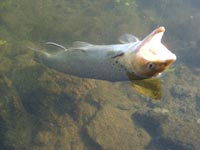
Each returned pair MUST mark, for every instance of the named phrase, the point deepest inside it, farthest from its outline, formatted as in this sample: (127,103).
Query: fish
(131,59)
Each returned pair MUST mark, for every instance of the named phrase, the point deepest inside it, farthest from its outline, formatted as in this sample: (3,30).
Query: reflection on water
(41,108)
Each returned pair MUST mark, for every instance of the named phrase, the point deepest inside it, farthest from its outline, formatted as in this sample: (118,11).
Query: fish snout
(171,59)
(164,64)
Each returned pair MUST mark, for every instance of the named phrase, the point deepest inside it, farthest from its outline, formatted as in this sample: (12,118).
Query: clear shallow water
(41,108)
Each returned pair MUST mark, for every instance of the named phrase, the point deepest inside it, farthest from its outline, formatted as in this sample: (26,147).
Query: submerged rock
(168,131)
(113,129)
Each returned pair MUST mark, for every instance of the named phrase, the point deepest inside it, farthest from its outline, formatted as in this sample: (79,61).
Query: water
(41,108)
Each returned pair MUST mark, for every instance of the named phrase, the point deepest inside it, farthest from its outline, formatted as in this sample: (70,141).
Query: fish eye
(151,66)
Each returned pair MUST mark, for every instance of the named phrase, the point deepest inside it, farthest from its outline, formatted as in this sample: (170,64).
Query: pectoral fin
(120,53)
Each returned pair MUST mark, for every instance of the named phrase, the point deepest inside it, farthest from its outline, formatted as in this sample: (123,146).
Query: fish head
(151,56)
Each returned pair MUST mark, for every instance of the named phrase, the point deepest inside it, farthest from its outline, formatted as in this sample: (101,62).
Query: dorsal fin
(127,38)
(77,44)
(57,45)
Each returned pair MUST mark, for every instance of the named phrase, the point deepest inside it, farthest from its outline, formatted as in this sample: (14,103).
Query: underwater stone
(168,131)
(113,129)
(182,91)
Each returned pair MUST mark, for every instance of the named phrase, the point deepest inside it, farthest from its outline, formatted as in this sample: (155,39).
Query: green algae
(150,88)
(2,42)
(5,4)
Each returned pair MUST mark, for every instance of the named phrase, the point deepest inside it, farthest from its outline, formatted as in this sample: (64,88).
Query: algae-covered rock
(60,133)
(184,133)
(168,131)
(15,122)
(113,129)
(151,120)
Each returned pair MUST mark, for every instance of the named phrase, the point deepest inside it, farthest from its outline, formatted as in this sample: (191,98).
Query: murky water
(43,109)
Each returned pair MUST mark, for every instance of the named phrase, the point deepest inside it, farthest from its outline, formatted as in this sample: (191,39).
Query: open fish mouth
(151,56)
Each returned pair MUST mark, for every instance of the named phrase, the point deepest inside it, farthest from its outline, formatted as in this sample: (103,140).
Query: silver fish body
(94,61)
(130,60)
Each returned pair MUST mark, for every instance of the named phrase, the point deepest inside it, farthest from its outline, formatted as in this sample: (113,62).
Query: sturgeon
(130,60)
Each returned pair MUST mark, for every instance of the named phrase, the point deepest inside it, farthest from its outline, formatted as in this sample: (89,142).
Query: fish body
(130,60)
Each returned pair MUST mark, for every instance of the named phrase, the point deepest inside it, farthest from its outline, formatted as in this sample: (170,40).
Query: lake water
(43,109)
